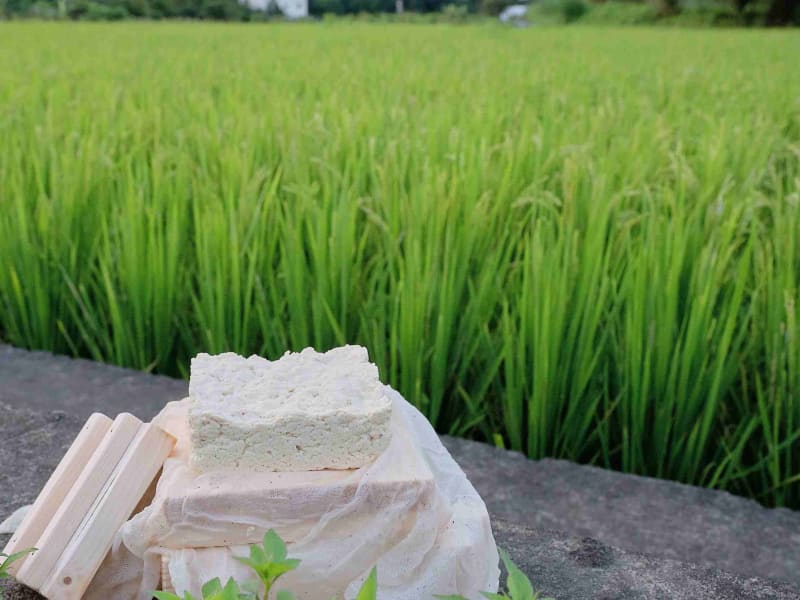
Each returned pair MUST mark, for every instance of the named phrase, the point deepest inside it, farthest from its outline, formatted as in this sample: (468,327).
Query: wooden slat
(57,487)
(78,501)
(80,560)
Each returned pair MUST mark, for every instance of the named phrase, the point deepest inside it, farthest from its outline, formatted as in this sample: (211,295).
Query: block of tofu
(306,411)
(232,507)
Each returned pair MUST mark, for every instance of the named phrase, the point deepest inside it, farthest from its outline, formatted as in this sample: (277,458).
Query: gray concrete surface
(638,514)
(566,567)
(44,382)
(579,532)
(563,567)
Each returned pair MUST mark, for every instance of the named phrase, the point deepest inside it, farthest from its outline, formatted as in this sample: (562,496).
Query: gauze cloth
(412,513)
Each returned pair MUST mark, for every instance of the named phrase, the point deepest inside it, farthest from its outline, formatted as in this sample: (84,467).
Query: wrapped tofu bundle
(341,467)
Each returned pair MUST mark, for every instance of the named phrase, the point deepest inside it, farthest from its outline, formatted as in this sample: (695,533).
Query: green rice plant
(555,338)
(680,345)
(579,242)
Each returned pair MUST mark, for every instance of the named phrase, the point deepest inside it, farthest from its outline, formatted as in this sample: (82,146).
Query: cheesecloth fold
(412,512)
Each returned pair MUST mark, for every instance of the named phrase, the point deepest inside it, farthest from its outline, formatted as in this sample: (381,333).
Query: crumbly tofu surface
(306,411)
(204,509)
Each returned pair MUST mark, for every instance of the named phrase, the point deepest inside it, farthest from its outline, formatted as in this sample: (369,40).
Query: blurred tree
(784,12)
(494,7)
(572,10)
(137,8)
(16,7)
(768,12)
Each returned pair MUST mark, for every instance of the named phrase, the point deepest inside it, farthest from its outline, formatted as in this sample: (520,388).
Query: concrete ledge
(567,567)
(577,531)
(639,514)
(46,382)
(570,568)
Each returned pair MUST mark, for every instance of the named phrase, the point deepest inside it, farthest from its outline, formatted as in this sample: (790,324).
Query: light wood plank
(57,487)
(77,566)
(61,529)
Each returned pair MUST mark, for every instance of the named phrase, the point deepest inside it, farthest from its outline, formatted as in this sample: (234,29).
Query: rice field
(574,242)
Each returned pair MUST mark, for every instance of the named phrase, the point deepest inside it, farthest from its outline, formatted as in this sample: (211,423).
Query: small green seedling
(10,559)
(519,586)
(269,562)
(213,590)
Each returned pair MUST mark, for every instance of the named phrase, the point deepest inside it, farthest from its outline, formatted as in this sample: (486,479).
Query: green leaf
(257,555)
(493,596)
(167,596)
(369,590)
(230,591)
(274,546)
(212,587)
(252,587)
(284,595)
(212,590)
(498,440)
(269,561)
(449,597)
(275,570)
(249,562)
(519,586)
(11,559)
(171,596)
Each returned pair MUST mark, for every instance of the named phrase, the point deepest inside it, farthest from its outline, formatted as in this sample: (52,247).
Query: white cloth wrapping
(15,520)
(412,512)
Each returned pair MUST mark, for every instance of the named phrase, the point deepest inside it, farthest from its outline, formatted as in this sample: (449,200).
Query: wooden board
(63,524)
(94,491)
(57,487)
(80,561)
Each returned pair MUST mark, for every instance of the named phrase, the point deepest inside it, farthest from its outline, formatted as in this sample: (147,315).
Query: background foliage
(585,242)
(695,13)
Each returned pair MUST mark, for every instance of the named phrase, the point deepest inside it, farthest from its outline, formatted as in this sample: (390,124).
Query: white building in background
(291,9)
(516,14)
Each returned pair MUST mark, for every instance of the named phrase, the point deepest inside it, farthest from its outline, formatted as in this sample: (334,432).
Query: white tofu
(237,507)
(304,412)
